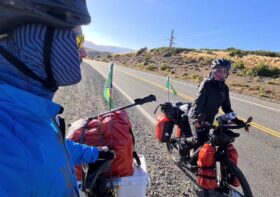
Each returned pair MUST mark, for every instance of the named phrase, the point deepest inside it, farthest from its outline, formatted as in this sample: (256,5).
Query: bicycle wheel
(173,146)
(243,190)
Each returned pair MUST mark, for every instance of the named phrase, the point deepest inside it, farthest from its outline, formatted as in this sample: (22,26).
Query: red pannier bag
(113,130)
(207,175)
(164,128)
(233,156)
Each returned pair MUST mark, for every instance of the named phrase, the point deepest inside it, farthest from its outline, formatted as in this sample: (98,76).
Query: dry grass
(248,60)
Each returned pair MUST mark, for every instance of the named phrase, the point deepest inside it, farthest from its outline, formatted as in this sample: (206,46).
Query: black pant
(199,135)
(184,125)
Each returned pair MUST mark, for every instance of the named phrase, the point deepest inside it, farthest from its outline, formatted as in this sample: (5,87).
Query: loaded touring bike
(215,163)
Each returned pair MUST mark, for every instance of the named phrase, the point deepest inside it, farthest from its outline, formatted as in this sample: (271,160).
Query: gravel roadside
(86,99)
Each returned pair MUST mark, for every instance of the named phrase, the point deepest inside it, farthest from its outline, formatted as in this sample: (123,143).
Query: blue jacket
(34,158)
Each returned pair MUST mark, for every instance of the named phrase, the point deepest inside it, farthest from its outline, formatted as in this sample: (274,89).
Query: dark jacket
(212,95)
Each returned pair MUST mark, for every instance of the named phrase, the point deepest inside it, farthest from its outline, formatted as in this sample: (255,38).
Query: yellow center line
(254,124)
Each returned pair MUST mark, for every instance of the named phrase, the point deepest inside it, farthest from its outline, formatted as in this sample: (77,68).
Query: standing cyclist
(39,53)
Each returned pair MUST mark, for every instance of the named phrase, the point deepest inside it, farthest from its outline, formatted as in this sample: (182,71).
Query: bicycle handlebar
(141,101)
(235,127)
(209,126)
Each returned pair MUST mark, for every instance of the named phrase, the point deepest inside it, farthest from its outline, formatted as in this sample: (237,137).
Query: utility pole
(171,43)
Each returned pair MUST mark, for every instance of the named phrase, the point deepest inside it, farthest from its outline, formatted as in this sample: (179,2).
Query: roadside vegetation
(255,73)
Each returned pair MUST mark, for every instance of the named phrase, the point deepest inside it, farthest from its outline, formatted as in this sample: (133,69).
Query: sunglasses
(80,38)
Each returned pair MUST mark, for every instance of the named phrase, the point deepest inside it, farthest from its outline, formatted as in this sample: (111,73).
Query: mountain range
(90,46)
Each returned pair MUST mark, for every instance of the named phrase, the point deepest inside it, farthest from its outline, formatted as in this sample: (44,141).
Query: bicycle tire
(170,147)
(240,176)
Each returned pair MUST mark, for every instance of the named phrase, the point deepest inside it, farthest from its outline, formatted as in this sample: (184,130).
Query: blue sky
(245,24)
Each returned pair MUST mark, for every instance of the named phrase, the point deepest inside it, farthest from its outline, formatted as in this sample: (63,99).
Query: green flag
(108,87)
(169,86)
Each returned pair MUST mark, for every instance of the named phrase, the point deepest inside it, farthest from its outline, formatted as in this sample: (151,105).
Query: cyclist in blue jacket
(39,53)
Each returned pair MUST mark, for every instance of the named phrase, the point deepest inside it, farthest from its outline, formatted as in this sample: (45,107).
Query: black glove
(238,122)
(241,123)
(105,153)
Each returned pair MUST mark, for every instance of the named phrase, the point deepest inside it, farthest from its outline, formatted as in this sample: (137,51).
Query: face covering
(27,44)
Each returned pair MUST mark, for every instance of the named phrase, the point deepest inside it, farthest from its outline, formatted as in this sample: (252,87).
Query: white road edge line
(255,104)
(184,83)
(150,118)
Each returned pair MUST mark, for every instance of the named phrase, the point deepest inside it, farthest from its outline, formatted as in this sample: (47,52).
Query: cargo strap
(83,135)
(207,177)
(61,123)
(135,155)
(206,168)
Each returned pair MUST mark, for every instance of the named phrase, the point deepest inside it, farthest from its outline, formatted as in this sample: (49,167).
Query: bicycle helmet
(64,14)
(221,63)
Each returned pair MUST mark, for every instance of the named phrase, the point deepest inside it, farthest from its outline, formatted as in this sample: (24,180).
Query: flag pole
(111,87)
(168,89)
(110,101)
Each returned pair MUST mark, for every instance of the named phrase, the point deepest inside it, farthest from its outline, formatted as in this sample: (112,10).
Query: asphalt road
(259,150)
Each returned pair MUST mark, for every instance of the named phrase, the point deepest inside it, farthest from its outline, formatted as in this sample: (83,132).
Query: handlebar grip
(144,100)
(107,155)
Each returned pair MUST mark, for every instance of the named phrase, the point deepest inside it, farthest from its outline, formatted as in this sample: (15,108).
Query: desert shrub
(266,53)
(263,70)
(141,51)
(241,53)
(168,52)
(239,65)
(275,81)
(139,66)
(194,77)
(236,52)
(164,67)
(263,92)
(151,67)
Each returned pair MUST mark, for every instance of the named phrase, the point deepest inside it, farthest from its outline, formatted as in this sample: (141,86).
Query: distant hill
(94,53)
(103,48)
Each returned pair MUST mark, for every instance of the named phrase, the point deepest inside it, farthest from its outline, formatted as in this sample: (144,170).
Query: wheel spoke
(173,150)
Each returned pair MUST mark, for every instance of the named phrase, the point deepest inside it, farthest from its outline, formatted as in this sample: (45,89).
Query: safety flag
(169,86)
(108,88)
